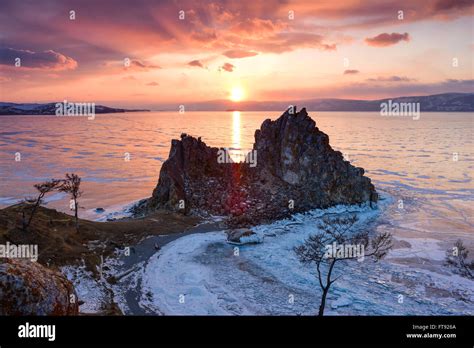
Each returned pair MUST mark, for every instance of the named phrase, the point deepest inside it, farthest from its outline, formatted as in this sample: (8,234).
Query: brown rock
(28,288)
(294,161)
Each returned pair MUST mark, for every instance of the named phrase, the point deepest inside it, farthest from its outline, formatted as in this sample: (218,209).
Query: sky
(153,53)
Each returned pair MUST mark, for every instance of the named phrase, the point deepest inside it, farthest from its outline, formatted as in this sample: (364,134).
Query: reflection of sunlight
(234,154)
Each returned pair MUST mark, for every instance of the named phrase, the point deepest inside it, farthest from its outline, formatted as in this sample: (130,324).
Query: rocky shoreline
(39,287)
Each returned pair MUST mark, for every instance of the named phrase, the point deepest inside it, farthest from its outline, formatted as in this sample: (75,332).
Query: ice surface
(201,274)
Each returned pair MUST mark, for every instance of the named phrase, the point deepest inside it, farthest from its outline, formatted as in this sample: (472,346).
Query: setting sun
(237,94)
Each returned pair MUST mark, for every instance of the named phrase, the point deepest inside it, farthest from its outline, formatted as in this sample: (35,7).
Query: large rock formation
(296,170)
(27,288)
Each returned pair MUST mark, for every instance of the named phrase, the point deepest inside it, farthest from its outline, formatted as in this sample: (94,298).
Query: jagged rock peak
(294,170)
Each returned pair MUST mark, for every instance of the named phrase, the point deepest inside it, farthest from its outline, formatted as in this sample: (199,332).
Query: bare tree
(336,241)
(71,185)
(43,189)
(457,258)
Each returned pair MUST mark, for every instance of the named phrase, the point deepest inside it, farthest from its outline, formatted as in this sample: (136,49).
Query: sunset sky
(238,50)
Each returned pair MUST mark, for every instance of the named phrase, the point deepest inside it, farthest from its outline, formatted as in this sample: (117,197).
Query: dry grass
(59,243)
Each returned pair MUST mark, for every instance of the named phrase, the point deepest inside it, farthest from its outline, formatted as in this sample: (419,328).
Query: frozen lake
(422,168)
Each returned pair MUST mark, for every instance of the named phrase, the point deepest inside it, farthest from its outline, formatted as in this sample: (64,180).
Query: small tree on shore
(457,258)
(43,189)
(72,185)
(336,241)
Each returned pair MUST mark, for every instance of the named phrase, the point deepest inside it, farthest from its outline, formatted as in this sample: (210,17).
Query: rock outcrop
(28,288)
(295,170)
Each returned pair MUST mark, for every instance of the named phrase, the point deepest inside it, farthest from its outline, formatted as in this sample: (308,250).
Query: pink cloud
(289,41)
(351,72)
(196,63)
(386,39)
(139,65)
(257,28)
(227,67)
(239,53)
(449,5)
(391,79)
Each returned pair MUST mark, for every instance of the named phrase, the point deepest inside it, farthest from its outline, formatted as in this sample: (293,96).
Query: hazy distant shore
(445,102)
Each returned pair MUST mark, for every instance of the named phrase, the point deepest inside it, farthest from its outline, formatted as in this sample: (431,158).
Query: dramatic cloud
(208,25)
(373,13)
(386,39)
(390,79)
(239,53)
(217,31)
(153,84)
(46,60)
(196,63)
(351,72)
(227,67)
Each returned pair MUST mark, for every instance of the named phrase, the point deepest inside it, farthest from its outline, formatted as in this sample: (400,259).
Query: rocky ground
(24,283)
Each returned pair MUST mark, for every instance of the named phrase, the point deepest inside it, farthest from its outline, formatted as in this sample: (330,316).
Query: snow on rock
(87,288)
(242,236)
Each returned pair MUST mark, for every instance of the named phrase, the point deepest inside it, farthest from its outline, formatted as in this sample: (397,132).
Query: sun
(237,94)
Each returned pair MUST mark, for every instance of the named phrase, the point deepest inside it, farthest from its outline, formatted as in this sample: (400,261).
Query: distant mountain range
(446,102)
(50,109)
(459,102)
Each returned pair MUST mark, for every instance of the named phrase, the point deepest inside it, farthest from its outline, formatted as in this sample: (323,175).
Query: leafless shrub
(339,231)
(43,189)
(71,185)
(457,258)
